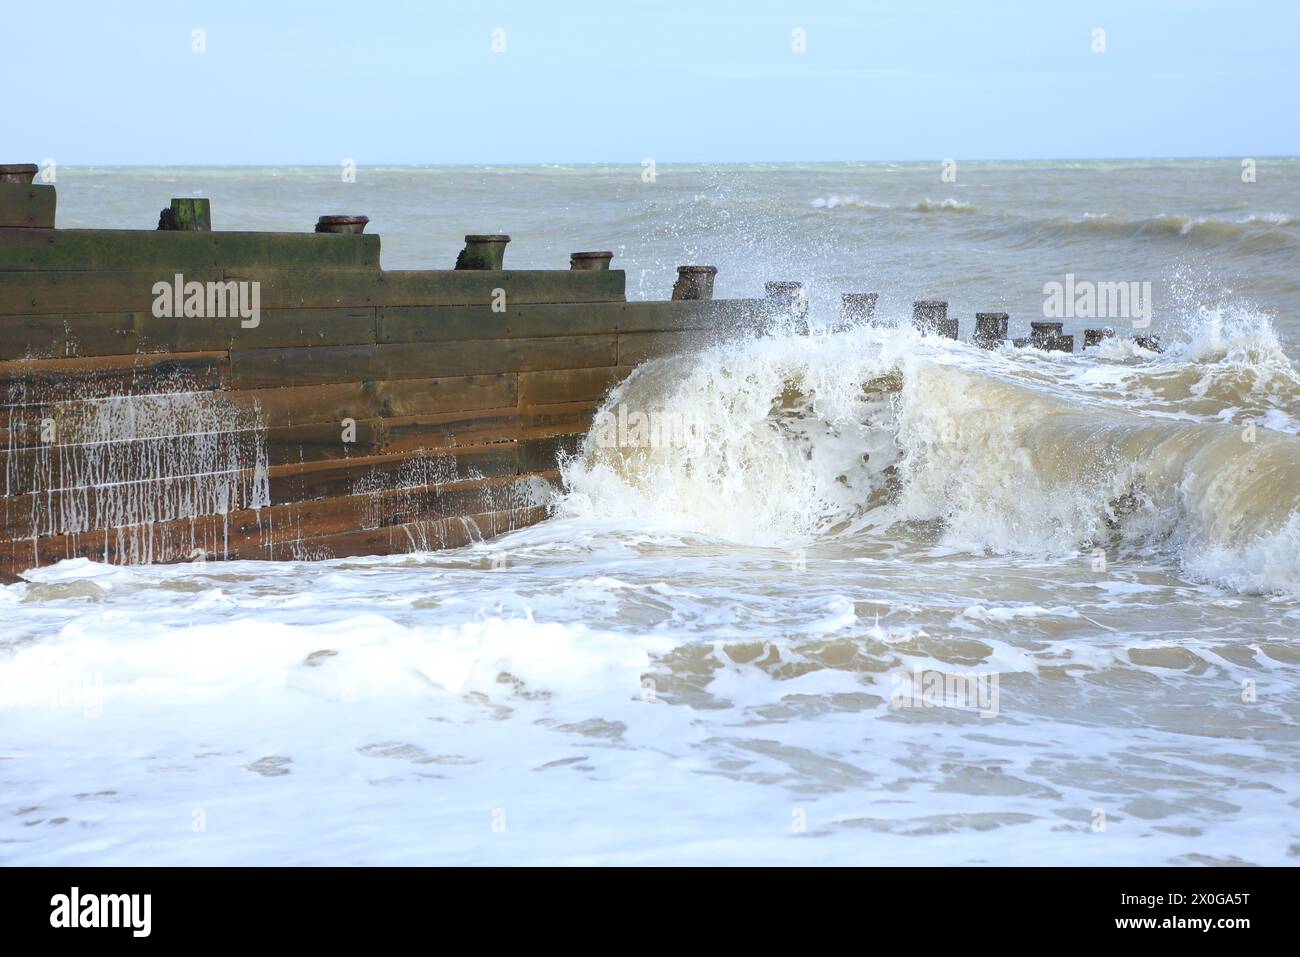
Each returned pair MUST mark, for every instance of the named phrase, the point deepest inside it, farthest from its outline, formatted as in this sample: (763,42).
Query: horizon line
(673,162)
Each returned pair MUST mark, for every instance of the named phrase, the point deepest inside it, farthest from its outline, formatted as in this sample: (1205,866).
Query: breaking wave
(1255,232)
(941,206)
(1265,230)
(1191,456)
(926,205)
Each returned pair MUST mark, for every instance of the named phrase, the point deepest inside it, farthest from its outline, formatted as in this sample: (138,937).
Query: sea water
(882,598)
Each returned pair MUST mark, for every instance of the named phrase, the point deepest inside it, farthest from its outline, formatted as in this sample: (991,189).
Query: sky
(283,82)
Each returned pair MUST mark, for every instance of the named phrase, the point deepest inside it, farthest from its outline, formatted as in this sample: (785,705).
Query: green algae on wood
(187,215)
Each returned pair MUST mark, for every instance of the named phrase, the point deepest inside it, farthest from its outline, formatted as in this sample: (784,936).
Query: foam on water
(631,696)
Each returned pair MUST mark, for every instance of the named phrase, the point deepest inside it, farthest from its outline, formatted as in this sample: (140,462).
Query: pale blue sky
(387,82)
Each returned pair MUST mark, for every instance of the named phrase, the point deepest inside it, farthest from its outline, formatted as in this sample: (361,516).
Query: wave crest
(796,438)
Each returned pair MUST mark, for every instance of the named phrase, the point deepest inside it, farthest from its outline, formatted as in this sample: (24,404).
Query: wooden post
(1151,343)
(990,329)
(21,173)
(788,297)
(1045,330)
(931,317)
(483,252)
(857,307)
(350,225)
(1048,336)
(694,282)
(190,215)
(1094,337)
(590,261)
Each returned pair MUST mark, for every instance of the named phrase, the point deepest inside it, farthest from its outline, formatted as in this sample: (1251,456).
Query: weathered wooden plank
(434,323)
(262,368)
(568,385)
(134,417)
(124,418)
(300,288)
(27,206)
(170,251)
(136,544)
(55,336)
(636,347)
(481,356)
(75,292)
(51,380)
(310,328)
(446,394)
(86,508)
(479,287)
(541,454)
(724,316)
(367,474)
(420,536)
(451,323)
(268,532)
(306,288)
(378,398)
(231,439)
(407,434)
(402,505)
(266,368)
(209,450)
(81,291)
(561,418)
(322,441)
(84,293)
(42,467)
(126,333)
(306,405)
(444,430)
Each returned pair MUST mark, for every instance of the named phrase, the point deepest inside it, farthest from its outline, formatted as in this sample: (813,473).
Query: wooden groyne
(181,394)
(361,411)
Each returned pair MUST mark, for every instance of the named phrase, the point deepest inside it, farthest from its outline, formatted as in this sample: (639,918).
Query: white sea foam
(847,202)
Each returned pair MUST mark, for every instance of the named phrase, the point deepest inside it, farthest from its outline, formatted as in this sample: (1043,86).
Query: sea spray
(802,438)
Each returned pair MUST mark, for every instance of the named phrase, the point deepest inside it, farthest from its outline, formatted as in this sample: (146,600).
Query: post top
(487,238)
(592,255)
(18,172)
(704,269)
(347,225)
